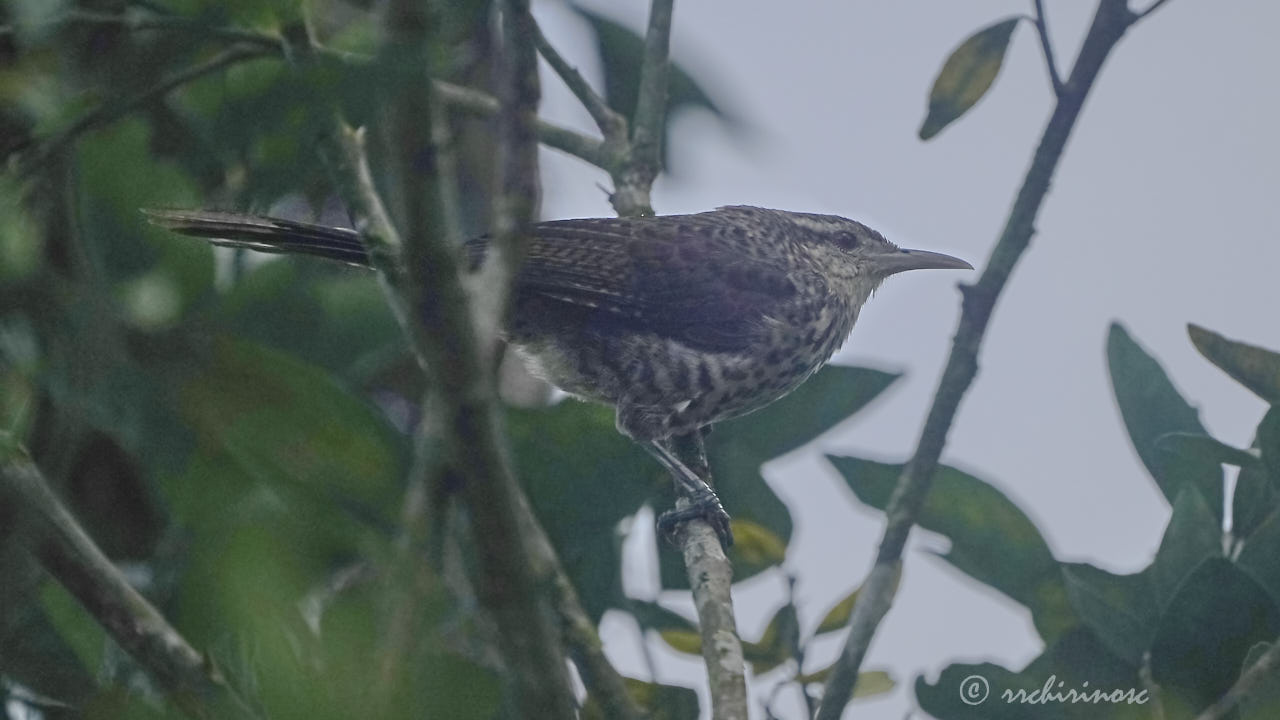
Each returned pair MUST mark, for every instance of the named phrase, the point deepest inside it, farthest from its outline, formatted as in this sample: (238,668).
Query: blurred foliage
(235,431)
(1191,620)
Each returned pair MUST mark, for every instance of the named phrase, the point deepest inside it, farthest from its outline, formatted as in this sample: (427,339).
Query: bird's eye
(846,240)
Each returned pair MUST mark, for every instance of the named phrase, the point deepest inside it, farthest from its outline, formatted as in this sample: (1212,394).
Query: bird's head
(839,243)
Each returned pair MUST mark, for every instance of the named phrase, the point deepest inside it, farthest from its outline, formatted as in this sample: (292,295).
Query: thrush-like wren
(678,321)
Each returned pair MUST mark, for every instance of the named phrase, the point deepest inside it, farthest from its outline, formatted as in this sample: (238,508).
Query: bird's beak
(904,259)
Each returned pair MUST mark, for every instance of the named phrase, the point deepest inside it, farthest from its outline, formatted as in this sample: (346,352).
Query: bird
(676,321)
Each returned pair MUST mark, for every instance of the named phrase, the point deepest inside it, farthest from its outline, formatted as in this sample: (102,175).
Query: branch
(1042,27)
(633,181)
(1261,671)
(110,111)
(476,102)
(1153,7)
(444,332)
(711,580)
(61,545)
(612,125)
(1110,22)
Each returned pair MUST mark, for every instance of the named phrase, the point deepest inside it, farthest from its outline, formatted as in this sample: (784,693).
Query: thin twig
(66,551)
(1152,8)
(634,180)
(1263,670)
(612,125)
(1110,22)
(1042,28)
(482,104)
(109,111)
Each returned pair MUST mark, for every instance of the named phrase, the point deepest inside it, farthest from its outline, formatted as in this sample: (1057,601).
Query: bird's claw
(703,506)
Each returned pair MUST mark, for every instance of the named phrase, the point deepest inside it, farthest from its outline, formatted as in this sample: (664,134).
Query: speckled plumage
(678,321)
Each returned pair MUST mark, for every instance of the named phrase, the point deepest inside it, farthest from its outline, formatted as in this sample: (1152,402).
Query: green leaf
(1260,556)
(778,642)
(1076,661)
(1256,368)
(652,616)
(1192,536)
(286,421)
(660,702)
(840,613)
(1204,635)
(1152,407)
(1114,607)
(1197,447)
(1257,492)
(992,540)
(582,478)
(870,683)
(621,51)
(756,544)
(967,75)
(737,448)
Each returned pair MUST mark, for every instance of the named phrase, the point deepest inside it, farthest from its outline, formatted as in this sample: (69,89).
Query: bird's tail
(264,234)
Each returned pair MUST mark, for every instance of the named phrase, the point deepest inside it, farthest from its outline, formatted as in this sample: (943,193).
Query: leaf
(756,544)
(967,75)
(778,642)
(840,613)
(685,641)
(737,448)
(992,540)
(660,702)
(1256,368)
(1152,407)
(1192,536)
(1204,635)
(1076,660)
(286,421)
(621,51)
(870,683)
(1194,445)
(582,478)
(1112,606)
(1257,492)
(1260,556)
(652,616)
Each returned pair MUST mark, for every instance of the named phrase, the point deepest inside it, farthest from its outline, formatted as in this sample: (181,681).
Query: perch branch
(68,554)
(1109,24)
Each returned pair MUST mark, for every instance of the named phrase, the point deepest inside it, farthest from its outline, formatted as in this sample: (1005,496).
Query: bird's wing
(673,276)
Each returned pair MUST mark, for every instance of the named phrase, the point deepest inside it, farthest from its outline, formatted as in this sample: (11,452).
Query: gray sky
(1163,212)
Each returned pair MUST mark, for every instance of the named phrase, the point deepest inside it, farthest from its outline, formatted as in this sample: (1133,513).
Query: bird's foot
(703,505)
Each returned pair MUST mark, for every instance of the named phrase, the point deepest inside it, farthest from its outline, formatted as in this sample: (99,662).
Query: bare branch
(1264,669)
(612,125)
(1152,8)
(711,580)
(1042,28)
(65,550)
(1110,22)
(110,111)
(482,104)
(633,181)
